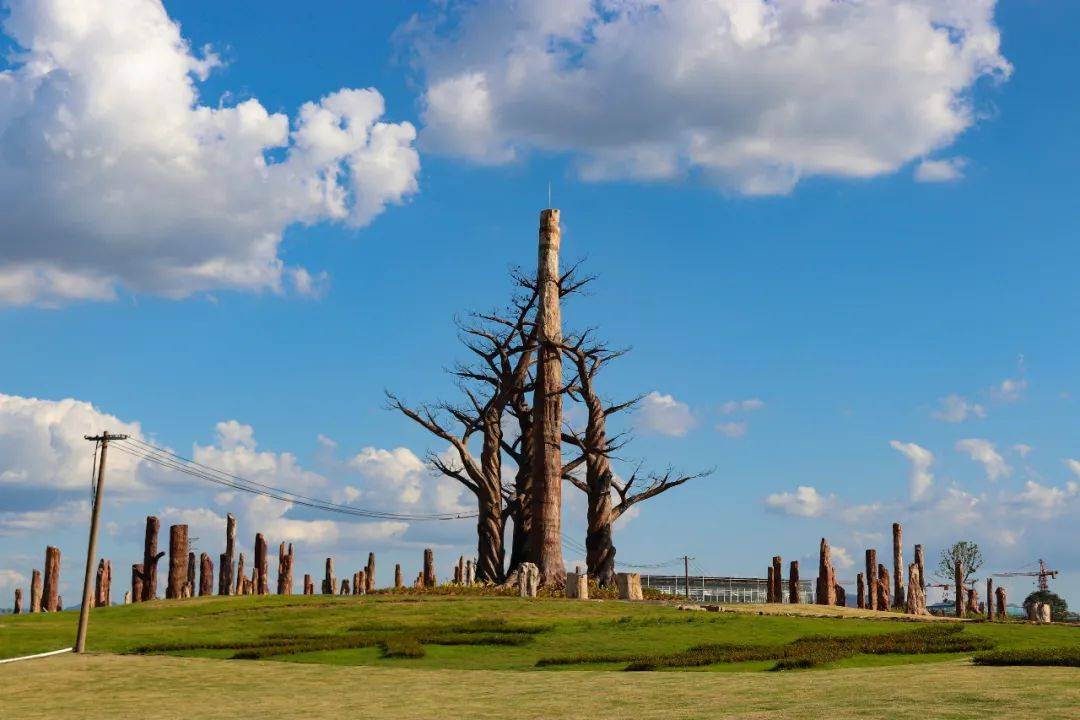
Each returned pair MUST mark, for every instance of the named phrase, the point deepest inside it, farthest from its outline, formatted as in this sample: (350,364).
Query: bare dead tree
(597,450)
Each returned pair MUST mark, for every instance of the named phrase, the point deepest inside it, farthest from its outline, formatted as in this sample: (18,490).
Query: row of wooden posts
(873,588)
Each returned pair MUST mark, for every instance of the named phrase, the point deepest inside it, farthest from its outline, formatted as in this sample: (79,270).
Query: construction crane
(945,587)
(1042,573)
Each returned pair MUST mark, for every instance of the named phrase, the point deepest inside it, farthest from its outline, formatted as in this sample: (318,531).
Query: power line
(178,463)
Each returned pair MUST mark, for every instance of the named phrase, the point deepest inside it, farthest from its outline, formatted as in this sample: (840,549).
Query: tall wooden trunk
(178,560)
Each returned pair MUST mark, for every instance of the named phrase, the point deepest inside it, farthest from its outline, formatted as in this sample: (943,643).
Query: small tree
(970,558)
(1059,609)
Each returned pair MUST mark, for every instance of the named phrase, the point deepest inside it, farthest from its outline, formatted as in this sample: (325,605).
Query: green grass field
(442,644)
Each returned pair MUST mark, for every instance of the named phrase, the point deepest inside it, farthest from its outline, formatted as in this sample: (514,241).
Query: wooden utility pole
(686,574)
(91,548)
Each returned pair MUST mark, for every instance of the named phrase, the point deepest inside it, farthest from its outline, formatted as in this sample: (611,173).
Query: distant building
(729,590)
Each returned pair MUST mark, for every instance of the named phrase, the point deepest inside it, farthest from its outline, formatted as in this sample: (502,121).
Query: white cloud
(841,558)
(1043,501)
(10,579)
(920,479)
(733,406)
(1008,390)
(1022,449)
(804,502)
(399,479)
(983,451)
(934,171)
(117,174)
(25,522)
(236,453)
(664,415)
(955,408)
(42,445)
(752,94)
(732,429)
(1074,466)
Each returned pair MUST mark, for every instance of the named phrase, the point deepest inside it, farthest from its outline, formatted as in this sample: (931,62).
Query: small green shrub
(1062,657)
(401,646)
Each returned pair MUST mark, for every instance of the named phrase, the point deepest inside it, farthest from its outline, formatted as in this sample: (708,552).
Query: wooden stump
(898,565)
(1044,613)
(192,575)
(328,586)
(429,568)
(871,579)
(920,560)
(286,560)
(261,567)
(127,597)
(860,591)
(51,587)
(915,602)
(399,581)
(841,595)
(794,589)
(151,556)
(174,588)
(958,584)
(826,585)
(989,599)
(59,603)
(528,580)
(344,587)
(972,606)
(461,569)
(778,580)
(137,576)
(35,591)
(769,585)
(999,596)
(18,602)
(470,573)
(882,588)
(225,572)
(240,577)
(362,578)
(99,578)
(309,585)
(103,584)
(206,575)
(629,585)
(369,574)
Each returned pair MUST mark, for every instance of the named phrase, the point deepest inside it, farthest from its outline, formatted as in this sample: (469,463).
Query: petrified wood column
(958,580)
(898,565)
(225,579)
(262,585)
(369,573)
(429,568)
(100,581)
(794,590)
(35,591)
(860,591)
(841,595)
(778,579)
(344,587)
(150,559)
(769,585)
(826,591)
(920,560)
(285,570)
(989,598)
(192,575)
(916,599)
(363,578)
(999,594)
(18,601)
(309,585)
(399,581)
(871,579)
(882,588)
(206,575)
(241,579)
(137,575)
(328,580)
(546,545)
(51,588)
(177,562)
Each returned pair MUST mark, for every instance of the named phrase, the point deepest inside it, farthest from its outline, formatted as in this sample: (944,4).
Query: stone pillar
(178,536)
(999,594)
(871,579)
(399,581)
(528,580)
(225,576)
(18,601)
(206,575)
(429,568)
(882,588)
(127,597)
(95,599)
(778,579)
(51,588)
(1044,613)
(989,598)
(344,587)
(826,587)
(470,573)
(958,584)
(860,597)
(581,592)
(769,584)
(150,559)
(309,585)
(794,589)
(137,576)
(898,566)
(841,595)
(369,574)
(262,567)
(285,570)
(192,574)
(240,577)
(328,586)
(629,585)
(972,601)
(920,560)
(915,602)
(35,591)
(362,581)
(103,584)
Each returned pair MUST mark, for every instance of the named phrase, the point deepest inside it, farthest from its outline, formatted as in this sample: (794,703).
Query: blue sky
(851,303)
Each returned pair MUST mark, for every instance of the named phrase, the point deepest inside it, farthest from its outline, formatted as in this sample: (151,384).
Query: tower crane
(1043,573)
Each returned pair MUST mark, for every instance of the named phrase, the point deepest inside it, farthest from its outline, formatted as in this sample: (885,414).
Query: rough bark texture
(286,560)
(577,586)
(51,586)
(18,601)
(429,568)
(920,560)
(528,580)
(546,543)
(151,556)
(769,585)
(999,596)
(958,579)
(1044,612)
(972,606)
(225,581)
(35,591)
(989,598)
(328,587)
(127,597)
(399,581)
(915,602)
(629,585)
(871,579)
(794,589)
(778,579)
(309,585)
(860,591)
(206,575)
(178,535)
(362,582)
(460,570)
(369,573)
(137,576)
(102,585)
(241,580)
(262,582)
(344,588)
(882,589)
(826,592)
(898,565)
(841,595)
(192,575)
(470,572)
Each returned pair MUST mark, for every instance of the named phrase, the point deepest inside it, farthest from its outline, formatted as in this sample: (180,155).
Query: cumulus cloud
(752,94)
(26,522)
(1074,466)
(1008,390)
(934,171)
(236,453)
(920,480)
(117,174)
(734,406)
(841,558)
(732,429)
(955,408)
(1044,501)
(806,501)
(664,415)
(1022,449)
(983,451)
